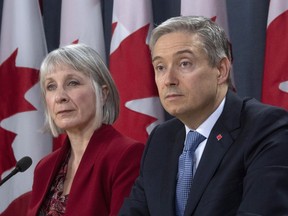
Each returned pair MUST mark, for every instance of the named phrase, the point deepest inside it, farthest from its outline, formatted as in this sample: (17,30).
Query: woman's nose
(61,96)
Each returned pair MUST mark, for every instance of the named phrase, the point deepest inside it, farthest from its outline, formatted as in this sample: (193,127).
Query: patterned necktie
(185,170)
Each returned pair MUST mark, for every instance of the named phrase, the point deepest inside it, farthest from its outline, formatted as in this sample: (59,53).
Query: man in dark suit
(242,163)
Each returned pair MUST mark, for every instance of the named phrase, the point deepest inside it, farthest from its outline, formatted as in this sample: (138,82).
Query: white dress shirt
(205,129)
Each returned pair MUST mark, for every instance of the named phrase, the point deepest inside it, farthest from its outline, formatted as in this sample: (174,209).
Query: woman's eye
(73,83)
(50,87)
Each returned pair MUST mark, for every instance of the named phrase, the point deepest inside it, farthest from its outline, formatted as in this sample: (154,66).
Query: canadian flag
(81,22)
(275,78)
(214,9)
(131,68)
(22,48)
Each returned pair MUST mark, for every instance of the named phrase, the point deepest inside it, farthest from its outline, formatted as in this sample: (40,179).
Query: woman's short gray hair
(85,60)
(213,38)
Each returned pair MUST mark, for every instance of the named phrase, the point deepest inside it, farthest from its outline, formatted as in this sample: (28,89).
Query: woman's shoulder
(48,160)
(116,142)
(113,136)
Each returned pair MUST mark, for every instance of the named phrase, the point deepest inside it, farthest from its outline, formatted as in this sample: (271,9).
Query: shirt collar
(206,127)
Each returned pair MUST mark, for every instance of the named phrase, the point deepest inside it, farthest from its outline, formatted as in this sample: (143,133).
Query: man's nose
(171,76)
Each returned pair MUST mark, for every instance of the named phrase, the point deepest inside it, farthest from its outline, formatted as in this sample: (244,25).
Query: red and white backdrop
(22,48)
(130,65)
(119,31)
(275,79)
(81,22)
(214,9)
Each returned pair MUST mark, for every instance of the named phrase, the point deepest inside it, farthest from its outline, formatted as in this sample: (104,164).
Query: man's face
(187,84)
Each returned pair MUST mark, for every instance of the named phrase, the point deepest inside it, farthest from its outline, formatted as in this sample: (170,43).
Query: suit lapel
(211,158)
(220,139)
(170,173)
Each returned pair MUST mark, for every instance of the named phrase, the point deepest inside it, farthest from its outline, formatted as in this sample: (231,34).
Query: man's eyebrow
(184,51)
(156,58)
(175,54)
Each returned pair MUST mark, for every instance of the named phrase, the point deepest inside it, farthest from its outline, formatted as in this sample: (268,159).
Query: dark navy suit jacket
(243,173)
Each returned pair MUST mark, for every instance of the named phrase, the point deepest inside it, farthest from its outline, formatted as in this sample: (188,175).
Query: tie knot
(193,140)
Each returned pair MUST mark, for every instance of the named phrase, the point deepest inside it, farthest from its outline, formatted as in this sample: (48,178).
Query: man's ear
(224,68)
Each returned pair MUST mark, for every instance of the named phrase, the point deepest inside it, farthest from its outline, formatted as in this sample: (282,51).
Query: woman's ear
(105,93)
(224,68)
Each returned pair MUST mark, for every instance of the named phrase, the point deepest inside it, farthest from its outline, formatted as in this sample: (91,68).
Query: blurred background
(119,30)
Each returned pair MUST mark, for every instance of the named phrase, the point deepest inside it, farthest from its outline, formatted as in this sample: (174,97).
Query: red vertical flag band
(275,78)
(131,68)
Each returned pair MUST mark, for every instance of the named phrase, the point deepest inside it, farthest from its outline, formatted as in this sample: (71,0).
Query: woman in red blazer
(95,168)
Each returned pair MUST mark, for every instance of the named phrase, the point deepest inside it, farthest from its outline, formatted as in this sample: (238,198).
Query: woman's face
(70,99)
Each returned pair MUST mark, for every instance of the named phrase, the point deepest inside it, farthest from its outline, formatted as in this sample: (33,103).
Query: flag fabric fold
(22,48)
(81,22)
(214,9)
(131,68)
(275,77)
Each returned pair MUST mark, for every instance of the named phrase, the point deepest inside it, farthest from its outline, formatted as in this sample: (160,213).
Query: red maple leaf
(15,82)
(132,70)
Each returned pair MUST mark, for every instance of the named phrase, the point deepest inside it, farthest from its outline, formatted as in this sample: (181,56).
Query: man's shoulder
(249,106)
(253,107)
(255,115)
(170,124)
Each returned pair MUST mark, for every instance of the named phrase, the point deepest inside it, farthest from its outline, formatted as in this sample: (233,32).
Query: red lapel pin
(219,137)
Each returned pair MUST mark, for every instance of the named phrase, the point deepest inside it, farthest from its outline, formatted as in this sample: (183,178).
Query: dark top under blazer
(243,173)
